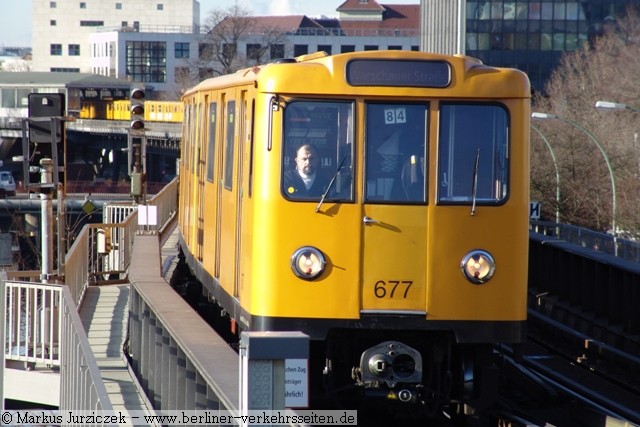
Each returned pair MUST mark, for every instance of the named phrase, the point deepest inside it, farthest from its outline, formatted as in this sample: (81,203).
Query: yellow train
(155,111)
(378,202)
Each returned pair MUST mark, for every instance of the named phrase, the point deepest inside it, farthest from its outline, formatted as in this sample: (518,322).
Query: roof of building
(41,79)
(397,16)
(394,17)
(361,5)
(287,23)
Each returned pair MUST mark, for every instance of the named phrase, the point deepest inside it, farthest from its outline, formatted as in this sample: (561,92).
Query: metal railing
(32,322)
(42,326)
(355,32)
(81,385)
(597,241)
(178,359)
(118,228)
(166,202)
(102,252)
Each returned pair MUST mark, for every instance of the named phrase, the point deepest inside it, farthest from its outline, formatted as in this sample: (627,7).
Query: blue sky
(15,15)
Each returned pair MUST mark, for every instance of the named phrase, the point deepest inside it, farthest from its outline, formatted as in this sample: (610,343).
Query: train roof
(315,73)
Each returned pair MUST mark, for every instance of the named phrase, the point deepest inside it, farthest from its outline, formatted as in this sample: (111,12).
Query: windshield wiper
(335,175)
(474,186)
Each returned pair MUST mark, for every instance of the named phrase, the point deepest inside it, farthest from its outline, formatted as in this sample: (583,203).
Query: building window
(415,48)
(92,23)
(146,61)
(56,49)
(229,50)
(182,75)
(370,47)
(52,5)
(52,23)
(325,48)
(205,73)
(300,49)
(276,51)
(181,50)
(74,50)
(124,24)
(160,6)
(118,6)
(64,70)
(253,51)
(83,5)
(347,48)
(395,47)
(204,49)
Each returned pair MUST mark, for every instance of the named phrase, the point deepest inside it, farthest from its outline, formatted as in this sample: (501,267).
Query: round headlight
(478,266)
(307,263)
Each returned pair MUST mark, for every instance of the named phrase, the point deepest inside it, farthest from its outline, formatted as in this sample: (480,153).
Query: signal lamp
(137,97)
(307,263)
(478,266)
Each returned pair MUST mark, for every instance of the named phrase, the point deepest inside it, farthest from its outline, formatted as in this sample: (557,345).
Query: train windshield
(395,153)
(473,154)
(318,147)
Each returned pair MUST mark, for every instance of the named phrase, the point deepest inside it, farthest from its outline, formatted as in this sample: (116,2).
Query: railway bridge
(74,338)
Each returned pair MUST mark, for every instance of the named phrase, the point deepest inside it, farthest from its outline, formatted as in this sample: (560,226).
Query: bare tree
(226,31)
(605,69)
(17,65)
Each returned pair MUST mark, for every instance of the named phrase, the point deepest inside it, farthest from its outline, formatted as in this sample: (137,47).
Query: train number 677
(387,289)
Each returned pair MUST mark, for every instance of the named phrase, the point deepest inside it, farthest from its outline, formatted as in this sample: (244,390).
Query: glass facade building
(533,35)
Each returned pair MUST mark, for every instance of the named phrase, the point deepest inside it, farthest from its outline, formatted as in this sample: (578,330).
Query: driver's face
(306,161)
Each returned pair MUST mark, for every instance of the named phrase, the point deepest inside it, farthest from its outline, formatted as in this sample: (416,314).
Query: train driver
(307,179)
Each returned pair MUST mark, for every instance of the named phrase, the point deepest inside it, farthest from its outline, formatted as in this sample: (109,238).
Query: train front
(397,227)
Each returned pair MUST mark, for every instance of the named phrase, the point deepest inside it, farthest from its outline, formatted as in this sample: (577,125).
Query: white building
(62,28)
(158,42)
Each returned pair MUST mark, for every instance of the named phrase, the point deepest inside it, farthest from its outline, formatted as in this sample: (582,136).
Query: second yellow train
(155,111)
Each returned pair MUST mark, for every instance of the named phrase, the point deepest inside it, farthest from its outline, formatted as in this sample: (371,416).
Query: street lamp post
(555,165)
(609,105)
(536,115)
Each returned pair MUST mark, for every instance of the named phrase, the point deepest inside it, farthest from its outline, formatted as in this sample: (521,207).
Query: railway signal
(137,141)
(44,137)
(137,97)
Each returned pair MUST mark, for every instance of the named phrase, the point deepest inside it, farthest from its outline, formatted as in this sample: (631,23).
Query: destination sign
(384,72)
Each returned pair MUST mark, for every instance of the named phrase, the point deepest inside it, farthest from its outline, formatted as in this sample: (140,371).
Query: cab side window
(317,151)
(473,154)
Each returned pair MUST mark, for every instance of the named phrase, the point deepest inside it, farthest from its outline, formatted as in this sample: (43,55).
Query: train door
(188,208)
(184,169)
(244,153)
(199,165)
(228,199)
(395,211)
(194,166)
(211,189)
(218,180)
